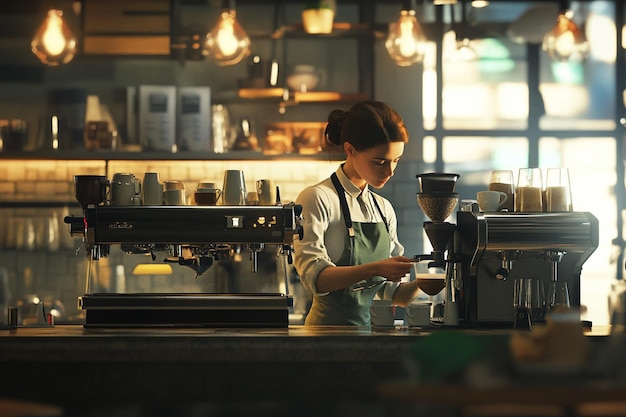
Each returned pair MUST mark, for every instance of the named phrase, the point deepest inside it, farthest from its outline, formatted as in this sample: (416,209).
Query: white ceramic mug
(417,314)
(491,200)
(152,189)
(382,313)
(266,190)
(123,189)
(234,190)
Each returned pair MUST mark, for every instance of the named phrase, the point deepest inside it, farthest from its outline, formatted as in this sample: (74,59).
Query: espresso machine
(187,236)
(493,249)
(484,252)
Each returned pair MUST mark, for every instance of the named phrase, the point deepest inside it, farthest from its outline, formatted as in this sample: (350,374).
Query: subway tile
(16,171)
(26,187)
(7,189)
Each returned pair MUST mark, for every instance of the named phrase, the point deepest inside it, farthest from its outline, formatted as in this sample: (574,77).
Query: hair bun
(333,128)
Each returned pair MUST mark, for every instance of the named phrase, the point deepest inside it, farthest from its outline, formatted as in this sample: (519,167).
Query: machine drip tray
(186,310)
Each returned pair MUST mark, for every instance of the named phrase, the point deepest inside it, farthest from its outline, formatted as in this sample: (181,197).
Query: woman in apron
(349,251)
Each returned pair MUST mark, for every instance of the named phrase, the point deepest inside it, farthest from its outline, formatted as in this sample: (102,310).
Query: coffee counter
(99,370)
(89,371)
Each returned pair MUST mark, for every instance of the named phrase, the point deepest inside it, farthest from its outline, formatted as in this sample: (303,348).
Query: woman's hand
(394,268)
(335,278)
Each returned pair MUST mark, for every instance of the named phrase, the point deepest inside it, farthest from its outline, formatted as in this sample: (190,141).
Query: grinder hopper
(438,200)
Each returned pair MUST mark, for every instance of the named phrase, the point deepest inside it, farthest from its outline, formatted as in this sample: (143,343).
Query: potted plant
(318,16)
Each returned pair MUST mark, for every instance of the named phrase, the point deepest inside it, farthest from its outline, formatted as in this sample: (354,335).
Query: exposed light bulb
(405,41)
(479,4)
(54,43)
(465,51)
(227,42)
(566,42)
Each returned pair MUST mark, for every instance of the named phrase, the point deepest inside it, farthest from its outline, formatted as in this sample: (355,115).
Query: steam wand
(554,257)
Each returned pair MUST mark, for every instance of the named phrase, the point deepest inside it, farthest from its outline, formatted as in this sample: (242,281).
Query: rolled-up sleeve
(311,253)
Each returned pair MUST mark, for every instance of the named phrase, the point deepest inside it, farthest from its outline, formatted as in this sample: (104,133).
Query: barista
(350,252)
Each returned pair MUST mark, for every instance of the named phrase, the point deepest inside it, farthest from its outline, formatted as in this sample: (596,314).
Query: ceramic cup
(206,184)
(174,185)
(234,190)
(252,199)
(123,189)
(207,196)
(175,197)
(382,313)
(266,190)
(152,189)
(491,200)
(417,314)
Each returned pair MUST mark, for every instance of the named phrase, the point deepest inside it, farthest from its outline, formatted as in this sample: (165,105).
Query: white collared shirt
(324,231)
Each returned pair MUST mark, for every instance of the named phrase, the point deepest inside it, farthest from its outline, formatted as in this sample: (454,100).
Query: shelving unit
(81,155)
(362,31)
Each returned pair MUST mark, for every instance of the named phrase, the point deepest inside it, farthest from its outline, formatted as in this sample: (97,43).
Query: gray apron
(365,242)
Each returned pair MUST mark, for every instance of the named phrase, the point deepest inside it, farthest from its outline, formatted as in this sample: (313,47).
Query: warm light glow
(566,42)
(602,38)
(153,269)
(479,4)
(565,100)
(465,51)
(429,149)
(511,100)
(53,36)
(405,41)
(53,42)
(227,42)
(54,129)
(429,95)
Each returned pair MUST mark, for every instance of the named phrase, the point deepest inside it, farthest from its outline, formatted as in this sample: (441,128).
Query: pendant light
(227,42)
(464,34)
(566,42)
(479,4)
(54,43)
(405,42)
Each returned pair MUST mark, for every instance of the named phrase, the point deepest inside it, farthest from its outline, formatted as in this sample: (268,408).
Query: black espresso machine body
(193,236)
(496,248)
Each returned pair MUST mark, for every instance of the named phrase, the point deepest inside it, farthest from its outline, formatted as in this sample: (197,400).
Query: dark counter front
(205,372)
(167,371)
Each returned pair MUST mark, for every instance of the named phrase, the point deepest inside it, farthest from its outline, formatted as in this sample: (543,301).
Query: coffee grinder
(437,199)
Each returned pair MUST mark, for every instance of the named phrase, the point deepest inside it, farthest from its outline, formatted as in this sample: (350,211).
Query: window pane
(582,95)
(592,178)
(489,92)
